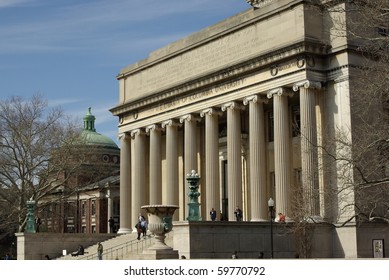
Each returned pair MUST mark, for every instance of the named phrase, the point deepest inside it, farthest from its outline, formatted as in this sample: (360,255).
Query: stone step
(121,247)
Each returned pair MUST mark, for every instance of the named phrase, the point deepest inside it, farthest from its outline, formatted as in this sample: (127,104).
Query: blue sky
(70,51)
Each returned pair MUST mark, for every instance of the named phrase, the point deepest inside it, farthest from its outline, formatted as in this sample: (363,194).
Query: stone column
(172,190)
(258,198)
(109,208)
(212,181)
(281,149)
(125,184)
(190,139)
(308,136)
(234,161)
(155,164)
(138,190)
(190,148)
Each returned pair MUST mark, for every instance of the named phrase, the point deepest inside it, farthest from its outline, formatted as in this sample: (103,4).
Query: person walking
(143,225)
(111,222)
(138,229)
(213,214)
(238,214)
(100,250)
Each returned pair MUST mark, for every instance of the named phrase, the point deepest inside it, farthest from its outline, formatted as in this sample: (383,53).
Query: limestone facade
(245,103)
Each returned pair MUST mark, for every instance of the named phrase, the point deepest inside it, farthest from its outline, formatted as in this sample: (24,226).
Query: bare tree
(355,157)
(36,155)
(365,25)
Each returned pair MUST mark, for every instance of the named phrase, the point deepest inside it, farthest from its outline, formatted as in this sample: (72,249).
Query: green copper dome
(91,137)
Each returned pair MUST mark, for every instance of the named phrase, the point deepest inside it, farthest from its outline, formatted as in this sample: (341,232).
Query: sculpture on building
(258,3)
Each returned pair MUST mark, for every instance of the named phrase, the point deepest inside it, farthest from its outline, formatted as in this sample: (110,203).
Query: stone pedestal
(160,254)
(159,223)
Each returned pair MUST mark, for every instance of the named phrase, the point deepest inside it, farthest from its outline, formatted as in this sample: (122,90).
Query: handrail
(119,251)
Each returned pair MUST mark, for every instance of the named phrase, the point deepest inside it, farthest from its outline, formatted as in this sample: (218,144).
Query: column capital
(279,91)
(231,105)
(254,98)
(210,111)
(124,136)
(306,84)
(170,122)
(189,118)
(152,127)
(136,132)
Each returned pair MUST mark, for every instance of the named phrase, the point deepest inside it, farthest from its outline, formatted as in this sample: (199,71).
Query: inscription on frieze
(200,95)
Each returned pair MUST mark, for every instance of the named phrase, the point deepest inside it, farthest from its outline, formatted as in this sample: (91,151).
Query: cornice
(209,34)
(301,50)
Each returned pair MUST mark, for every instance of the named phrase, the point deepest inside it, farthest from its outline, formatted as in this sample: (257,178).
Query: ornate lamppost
(30,225)
(270,204)
(194,206)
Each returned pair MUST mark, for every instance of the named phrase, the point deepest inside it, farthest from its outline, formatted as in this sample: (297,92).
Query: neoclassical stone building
(245,103)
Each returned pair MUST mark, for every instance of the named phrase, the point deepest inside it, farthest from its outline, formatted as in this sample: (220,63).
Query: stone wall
(218,240)
(365,235)
(34,246)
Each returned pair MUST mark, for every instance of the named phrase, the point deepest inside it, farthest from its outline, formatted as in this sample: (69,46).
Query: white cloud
(62,102)
(12,3)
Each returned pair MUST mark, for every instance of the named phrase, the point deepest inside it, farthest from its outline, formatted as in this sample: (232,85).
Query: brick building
(91,195)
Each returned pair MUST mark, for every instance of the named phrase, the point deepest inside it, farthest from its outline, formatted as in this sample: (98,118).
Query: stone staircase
(121,247)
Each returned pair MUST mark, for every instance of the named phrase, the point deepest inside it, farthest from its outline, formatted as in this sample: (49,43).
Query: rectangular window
(93,206)
(83,208)
(116,206)
(298,177)
(224,191)
(295,121)
(270,126)
(273,185)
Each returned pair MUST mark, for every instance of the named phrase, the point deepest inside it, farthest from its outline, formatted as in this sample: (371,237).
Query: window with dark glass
(93,206)
(83,208)
(295,121)
(270,126)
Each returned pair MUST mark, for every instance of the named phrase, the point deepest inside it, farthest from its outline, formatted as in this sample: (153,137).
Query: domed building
(90,196)
(94,138)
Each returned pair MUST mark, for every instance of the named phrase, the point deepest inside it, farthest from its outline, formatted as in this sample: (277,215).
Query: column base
(259,220)
(159,254)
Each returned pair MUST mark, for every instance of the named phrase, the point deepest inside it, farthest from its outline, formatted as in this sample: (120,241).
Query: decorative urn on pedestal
(160,219)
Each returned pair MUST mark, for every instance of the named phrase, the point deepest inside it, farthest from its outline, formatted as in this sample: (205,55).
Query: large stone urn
(160,219)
